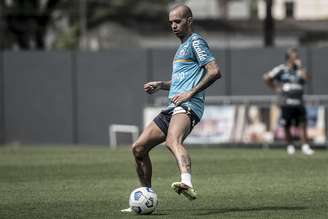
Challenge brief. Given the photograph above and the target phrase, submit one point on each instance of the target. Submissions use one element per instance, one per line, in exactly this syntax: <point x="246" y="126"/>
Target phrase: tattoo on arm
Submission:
<point x="206" y="81"/>
<point x="165" y="85"/>
<point x="211" y="75"/>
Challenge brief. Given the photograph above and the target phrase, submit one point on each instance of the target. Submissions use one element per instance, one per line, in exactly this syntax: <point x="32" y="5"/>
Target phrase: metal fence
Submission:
<point x="71" y="97"/>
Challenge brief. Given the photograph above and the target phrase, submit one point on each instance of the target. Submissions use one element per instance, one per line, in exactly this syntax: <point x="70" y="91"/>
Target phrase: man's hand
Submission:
<point x="270" y="82"/>
<point x="277" y="89"/>
<point x="152" y="87"/>
<point x="181" y="98"/>
<point x="303" y="74"/>
<point x="298" y="63"/>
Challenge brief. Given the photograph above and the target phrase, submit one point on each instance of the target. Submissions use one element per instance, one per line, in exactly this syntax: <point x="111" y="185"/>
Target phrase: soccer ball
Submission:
<point x="143" y="200"/>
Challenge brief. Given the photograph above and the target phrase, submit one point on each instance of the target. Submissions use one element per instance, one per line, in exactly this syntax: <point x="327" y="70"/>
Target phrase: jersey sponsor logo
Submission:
<point x="184" y="50"/>
<point x="199" y="51"/>
<point x="291" y="101"/>
<point x="178" y="76"/>
<point x="291" y="87"/>
<point x="287" y="76"/>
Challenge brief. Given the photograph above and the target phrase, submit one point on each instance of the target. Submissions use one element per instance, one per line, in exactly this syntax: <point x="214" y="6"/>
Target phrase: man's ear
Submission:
<point x="189" y="19"/>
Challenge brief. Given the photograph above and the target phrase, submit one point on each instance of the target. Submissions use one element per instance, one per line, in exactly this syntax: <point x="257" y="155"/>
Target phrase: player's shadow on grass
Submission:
<point x="231" y="210"/>
<point x="159" y="214"/>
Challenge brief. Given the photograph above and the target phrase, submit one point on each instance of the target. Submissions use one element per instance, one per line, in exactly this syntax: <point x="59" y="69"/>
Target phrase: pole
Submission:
<point x="269" y="25"/>
<point x="83" y="24"/>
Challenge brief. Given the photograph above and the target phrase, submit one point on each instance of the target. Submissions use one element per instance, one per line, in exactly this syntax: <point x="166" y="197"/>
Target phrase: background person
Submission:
<point x="288" y="81"/>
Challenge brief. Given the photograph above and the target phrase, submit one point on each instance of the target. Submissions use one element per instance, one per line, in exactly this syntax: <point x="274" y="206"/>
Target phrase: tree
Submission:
<point x="25" y="23"/>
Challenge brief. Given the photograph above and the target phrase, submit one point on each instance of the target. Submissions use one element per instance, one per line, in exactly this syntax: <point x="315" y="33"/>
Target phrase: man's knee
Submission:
<point x="138" y="151"/>
<point x="171" y="142"/>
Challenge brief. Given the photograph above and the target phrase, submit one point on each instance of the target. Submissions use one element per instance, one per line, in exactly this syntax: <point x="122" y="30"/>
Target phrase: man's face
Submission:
<point x="179" y="23"/>
<point x="294" y="57"/>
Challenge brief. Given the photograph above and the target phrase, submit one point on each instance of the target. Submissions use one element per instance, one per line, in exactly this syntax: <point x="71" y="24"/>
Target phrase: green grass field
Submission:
<point x="75" y="182"/>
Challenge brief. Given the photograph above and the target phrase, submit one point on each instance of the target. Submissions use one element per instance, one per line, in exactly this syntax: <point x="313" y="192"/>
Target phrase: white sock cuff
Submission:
<point x="186" y="179"/>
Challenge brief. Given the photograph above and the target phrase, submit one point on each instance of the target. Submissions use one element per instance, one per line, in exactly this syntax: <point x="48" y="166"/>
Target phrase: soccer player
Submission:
<point x="194" y="69"/>
<point x="288" y="81"/>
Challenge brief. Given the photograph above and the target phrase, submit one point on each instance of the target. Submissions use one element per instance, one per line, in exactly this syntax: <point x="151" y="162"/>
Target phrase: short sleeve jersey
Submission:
<point x="188" y="70"/>
<point x="292" y="84"/>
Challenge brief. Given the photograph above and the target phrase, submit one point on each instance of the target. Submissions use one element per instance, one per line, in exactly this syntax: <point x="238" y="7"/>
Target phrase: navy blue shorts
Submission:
<point x="292" y="115"/>
<point x="162" y="120"/>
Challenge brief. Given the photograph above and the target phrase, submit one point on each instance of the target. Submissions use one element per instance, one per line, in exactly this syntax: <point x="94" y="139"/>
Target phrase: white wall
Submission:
<point x="237" y="9"/>
<point x="304" y="9"/>
<point x="204" y="8"/>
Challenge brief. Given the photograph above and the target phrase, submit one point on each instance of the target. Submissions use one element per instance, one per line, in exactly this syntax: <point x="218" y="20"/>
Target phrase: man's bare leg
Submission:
<point x="178" y="130"/>
<point x="288" y="137"/>
<point x="304" y="136"/>
<point x="306" y="149"/>
<point x="149" y="138"/>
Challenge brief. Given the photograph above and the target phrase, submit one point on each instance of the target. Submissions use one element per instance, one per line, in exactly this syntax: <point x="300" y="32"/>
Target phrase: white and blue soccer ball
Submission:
<point x="143" y="200"/>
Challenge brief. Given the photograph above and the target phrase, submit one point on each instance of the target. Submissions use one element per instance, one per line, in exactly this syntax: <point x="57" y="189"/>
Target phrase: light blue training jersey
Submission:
<point x="188" y="70"/>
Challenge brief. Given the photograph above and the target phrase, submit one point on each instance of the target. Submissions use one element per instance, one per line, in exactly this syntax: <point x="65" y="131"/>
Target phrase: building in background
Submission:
<point x="221" y="9"/>
<point x="297" y="9"/>
<point x="98" y="25"/>
<point x="239" y="23"/>
<point x="246" y="9"/>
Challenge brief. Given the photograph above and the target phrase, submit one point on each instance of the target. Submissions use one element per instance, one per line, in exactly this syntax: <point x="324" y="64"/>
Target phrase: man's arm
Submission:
<point x="302" y="70"/>
<point x="165" y="85"/>
<point x="154" y="86"/>
<point x="304" y="74"/>
<point x="269" y="81"/>
<point x="212" y="74"/>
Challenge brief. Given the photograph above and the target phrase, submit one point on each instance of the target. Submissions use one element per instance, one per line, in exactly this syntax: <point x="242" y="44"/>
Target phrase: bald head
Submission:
<point x="183" y="9"/>
<point x="180" y="18"/>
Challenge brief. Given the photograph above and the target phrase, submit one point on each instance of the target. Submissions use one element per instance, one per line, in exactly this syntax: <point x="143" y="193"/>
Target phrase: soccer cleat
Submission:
<point x="307" y="150"/>
<point x="127" y="210"/>
<point x="185" y="190"/>
<point x="290" y="149"/>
